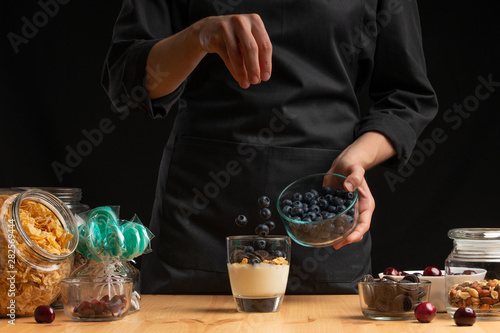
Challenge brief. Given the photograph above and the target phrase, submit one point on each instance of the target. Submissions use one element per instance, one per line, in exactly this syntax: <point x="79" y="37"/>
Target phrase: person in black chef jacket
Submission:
<point x="267" y="92"/>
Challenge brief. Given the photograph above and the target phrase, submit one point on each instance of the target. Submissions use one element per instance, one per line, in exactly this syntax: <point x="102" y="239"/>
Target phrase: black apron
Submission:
<point x="229" y="146"/>
<point x="209" y="183"/>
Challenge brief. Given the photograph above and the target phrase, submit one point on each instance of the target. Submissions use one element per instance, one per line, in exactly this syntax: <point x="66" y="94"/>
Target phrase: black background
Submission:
<point x="51" y="96"/>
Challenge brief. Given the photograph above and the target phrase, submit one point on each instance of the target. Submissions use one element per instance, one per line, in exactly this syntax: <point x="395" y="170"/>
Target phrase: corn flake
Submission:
<point x="36" y="283"/>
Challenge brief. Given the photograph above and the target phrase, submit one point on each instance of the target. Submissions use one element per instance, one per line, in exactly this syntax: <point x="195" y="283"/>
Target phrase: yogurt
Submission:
<point x="258" y="280"/>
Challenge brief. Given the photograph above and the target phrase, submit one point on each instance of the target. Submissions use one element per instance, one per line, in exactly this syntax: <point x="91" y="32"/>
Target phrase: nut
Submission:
<point x="494" y="294"/>
<point x="484" y="293"/>
<point x="473" y="292"/>
<point x="484" y="307"/>
<point x="464" y="295"/>
<point x="488" y="300"/>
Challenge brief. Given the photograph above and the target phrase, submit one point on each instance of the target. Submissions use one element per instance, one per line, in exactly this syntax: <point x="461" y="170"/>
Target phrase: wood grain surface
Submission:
<point x="195" y="313"/>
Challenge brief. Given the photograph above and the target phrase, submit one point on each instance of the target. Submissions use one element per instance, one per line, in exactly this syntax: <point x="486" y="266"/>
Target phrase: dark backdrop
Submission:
<point x="52" y="103"/>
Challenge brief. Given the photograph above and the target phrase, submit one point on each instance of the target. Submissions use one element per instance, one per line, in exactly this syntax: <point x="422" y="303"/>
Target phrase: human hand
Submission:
<point x="368" y="150"/>
<point x="243" y="44"/>
<point x="366" y="203"/>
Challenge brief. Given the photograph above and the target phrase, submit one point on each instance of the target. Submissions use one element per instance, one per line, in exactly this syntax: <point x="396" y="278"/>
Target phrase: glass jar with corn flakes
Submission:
<point x="472" y="272"/>
<point x="38" y="237"/>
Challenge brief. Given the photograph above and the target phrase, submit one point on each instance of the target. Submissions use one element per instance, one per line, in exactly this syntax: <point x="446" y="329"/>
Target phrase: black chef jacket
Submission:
<point x="230" y="145"/>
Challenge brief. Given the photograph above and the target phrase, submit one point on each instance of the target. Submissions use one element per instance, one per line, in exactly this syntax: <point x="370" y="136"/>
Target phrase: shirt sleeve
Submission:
<point x="404" y="101"/>
<point x="140" y="25"/>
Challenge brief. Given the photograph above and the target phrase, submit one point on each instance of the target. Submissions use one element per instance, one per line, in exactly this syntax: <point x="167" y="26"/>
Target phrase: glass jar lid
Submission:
<point x="475" y="233"/>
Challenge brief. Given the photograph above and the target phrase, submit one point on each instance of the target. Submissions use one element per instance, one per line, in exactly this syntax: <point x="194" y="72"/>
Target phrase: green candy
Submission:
<point x="93" y="238"/>
<point x="144" y="237"/>
<point x="102" y="216"/>
<point x="114" y="240"/>
<point x="132" y="241"/>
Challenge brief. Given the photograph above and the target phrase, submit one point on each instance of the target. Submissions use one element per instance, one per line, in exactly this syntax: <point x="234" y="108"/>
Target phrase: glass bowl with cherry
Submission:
<point x="438" y="293"/>
<point x="390" y="299"/>
<point x="96" y="299"/>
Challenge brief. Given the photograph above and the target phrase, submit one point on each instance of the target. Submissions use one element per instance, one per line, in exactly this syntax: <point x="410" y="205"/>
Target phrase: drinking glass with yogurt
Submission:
<point x="258" y="270"/>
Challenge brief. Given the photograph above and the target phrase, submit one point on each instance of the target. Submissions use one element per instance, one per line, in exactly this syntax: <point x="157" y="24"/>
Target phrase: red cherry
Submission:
<point x="432" y="271"/>
<point x="391" y="271"/>
<point x="44" y="314"/>
<point x="464" y="316"/>
<point x="425" y="312"/>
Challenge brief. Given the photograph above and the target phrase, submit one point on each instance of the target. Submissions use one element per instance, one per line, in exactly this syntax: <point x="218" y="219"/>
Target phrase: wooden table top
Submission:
<point x="194" y="313"/>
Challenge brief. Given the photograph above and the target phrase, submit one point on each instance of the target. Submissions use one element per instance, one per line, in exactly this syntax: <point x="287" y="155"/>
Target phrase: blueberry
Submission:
<point x="315" y="209"/>
<point x="297" y="196"/>
<point x="296" y="218"/>
<point x="350" y="212"/>
<point x="349" y="195"/>
<point x="262" y="229"/>
<point x="297" y="204"/>
<point x="253" y="259"/>
<point x="331" y="209"/>
<point x="287" y="202"/>
<point x="322" y="203"/>
<point x="318" y="218"/>
<point x="337" y="201"/>
<point x="265" y="213"/>
<point x="347" y="203"/>
<point x="297" y="211"/>
<point x="259" y="244"/>
<point x="278" y="253"/>
<point x="313" y="191"/>
<point x="327" y="190"/>
<point x="329" y="215"/>
<point x="307" y="219"/>
<point x="340" y="209"/>
<point x="328" y="197"/>
<point x="270" y="224"/>
<point x="286" y="210"/>
<point x="308" y="196"/>
<point x="339" y="230"/>
<point x="313" y="202"/>
<point x="311" y="215"/>
<point x="305" y="207"/>
<point x="248" y="249"/>
<point x="241" y="220"/>
<point x="336" y="192"/>
<point x="264" y="201"/>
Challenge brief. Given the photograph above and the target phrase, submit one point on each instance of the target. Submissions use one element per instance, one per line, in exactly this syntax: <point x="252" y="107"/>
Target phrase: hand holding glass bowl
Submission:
<point x="318" y="216"/>
<point x="258" y="270"/>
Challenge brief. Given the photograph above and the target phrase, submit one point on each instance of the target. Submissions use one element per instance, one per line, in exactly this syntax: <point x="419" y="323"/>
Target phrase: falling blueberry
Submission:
<point x="270" y="225"/>
<point x="262" y="230"/>
<point x="264" y="201"/>
<point x="241" y="220"/>
<point x="265" y="213"/>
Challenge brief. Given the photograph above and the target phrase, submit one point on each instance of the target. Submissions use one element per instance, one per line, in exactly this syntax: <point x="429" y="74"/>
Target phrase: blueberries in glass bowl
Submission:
<point x="317" y="211"/>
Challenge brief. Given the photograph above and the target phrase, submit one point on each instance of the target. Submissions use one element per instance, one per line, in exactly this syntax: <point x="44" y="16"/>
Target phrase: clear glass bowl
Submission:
<point x="330" y="229"/>
<point x="473" y="272"/>
<point x="392" y="300"/>
<point x="96" y="299"/>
